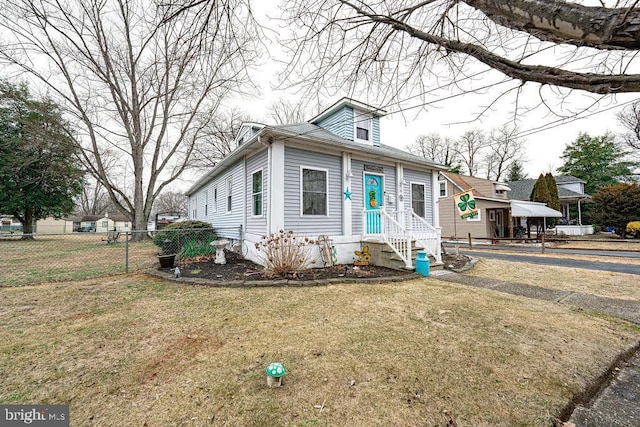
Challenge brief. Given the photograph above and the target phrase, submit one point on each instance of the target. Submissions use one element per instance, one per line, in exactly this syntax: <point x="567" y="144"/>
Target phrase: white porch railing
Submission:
<point x="398" y="229"/>
<point x="427" y="235"/>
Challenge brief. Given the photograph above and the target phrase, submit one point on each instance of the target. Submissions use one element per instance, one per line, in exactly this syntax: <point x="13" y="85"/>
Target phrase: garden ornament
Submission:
<point x="275" y="371"/>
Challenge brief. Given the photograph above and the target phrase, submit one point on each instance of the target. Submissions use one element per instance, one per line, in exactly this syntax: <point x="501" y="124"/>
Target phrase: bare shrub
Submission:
<point x="285" y="254"/>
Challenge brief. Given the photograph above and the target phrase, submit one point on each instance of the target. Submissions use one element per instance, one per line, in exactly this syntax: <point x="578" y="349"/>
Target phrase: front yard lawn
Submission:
<point x="131" y="350"/>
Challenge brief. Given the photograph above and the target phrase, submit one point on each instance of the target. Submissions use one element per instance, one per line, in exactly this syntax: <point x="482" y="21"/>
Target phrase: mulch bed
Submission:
<point x="239" y="269"/>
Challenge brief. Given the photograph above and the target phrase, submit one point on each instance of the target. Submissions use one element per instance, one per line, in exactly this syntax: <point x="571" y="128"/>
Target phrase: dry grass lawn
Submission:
<point x="131" y="350"/>
<point x="606" y="245"/>
<point x="599" y="283"/>
<point x="69" y="257"/>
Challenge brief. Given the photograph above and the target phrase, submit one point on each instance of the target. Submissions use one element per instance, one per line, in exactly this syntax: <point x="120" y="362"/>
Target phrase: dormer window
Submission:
<point x="362" y="123"/>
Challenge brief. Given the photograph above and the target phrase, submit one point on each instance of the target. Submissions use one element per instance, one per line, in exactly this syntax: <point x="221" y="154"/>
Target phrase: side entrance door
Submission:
<point x="372" y="202"/>
<point x="500" y="223"/>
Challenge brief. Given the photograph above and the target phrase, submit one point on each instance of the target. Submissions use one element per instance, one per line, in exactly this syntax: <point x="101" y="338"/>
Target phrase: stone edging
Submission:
<point x="279" y="282"/>
<point x="467" y="266"/>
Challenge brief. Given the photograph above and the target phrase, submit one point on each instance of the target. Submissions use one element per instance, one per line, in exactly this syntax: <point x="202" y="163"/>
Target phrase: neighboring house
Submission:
<point x="166" y="218"/>
<point x="9" y="224"/>
<point x="570" y="191"/>
<point x="104" y="223"/>
<point x="498" y="214"/>
<point x="329" y="176"/>
<point x="51" y="225"/>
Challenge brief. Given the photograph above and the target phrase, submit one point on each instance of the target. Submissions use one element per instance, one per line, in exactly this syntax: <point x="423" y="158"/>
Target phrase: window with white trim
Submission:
<point x="442" y="185"/>
<point x="256" y="192"/>
<point x="362" y="126"/>
<point x="229" y="199"/>
<point x="314" y="191"/>
<point x="215" y="200"/>
<point x="418" y="199"/>
<point x="206" y="202"/>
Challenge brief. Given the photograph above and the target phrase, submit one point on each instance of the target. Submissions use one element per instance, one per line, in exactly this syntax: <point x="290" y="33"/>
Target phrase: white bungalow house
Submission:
<point x="330" y="176"/>
<point x="103" y="223"/>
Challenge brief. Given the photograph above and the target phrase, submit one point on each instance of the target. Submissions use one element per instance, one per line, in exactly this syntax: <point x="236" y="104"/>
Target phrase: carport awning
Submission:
<point x="532" y="209"/>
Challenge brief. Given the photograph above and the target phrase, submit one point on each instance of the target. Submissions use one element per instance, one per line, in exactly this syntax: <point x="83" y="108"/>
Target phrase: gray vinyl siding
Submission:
<point x="294" y="158"/>
<point x="340" y="123"/>
<point x="357" y="196"/>
<point x="257" y="225"/>
<point x="376" y="131"/>
<point x="226" y="224"/>
<point x="417" y="177"/>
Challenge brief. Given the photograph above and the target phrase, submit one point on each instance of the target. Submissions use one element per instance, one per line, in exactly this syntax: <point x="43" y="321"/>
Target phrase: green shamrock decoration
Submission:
<point x="466" y="203"/>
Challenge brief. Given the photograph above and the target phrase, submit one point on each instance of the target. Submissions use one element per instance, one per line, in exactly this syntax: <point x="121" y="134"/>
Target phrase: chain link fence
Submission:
<point x="38" y="258"/>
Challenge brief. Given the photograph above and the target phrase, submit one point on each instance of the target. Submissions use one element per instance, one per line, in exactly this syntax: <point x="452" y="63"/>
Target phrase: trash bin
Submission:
<point x="422" y="264"/>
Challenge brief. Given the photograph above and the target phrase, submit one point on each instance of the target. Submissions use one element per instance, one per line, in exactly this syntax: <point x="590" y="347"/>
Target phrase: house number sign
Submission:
<point x="373" y="168"/>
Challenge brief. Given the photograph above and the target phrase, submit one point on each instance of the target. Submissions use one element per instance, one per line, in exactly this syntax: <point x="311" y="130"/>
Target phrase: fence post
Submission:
<point x="126" y="252"/>
<point x="470" y="247"/>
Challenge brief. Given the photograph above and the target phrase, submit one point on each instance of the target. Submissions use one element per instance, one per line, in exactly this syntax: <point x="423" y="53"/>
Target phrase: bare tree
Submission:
<point x="629" y="118"/>
<point x="436" y="148"/>
<point x="397" y="48"/>
<point x="94" y="199"/>
<point x="218" y="137"/>
<point x="137" y="77"/>
<point x="503" y="149"/>
<point x="283" y="112"/>
<point x="171" y="202"/>
<point x="471" y="145"/>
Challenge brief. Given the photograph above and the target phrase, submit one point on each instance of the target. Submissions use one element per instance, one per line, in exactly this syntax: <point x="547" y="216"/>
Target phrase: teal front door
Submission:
<point x="372" y="202"/>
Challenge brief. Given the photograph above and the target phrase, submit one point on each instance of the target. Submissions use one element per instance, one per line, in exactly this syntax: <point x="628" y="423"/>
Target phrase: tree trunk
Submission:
<point x="27" y="224"/>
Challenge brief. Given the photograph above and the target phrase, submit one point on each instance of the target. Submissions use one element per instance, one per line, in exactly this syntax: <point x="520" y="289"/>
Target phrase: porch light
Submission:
<point x="275" y="372"/>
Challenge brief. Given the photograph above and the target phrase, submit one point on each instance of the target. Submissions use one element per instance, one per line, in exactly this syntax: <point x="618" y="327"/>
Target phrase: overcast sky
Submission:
<point x="454" y="116"/>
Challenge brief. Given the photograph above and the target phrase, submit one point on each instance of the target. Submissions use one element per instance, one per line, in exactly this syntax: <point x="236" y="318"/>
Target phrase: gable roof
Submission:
<point x="348" y="102"/>
<point x="521" y="190"/>
<point x="311" y="134"/>
<point x="477" y="185"/>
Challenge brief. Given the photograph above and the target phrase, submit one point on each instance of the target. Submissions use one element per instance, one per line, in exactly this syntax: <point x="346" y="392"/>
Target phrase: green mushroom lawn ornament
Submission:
<point x="275" y="371"/>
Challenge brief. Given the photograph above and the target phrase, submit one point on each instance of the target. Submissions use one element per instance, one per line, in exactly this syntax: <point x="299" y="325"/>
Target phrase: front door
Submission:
<point x="500" y="223"/>
<point x="372" y="202"/>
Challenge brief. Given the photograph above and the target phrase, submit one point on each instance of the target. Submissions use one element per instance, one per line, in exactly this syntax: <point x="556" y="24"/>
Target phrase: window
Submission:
<point x="417" y="199"/>
<point x="206" y="203"/>
<point x="229" y="204"/>
<point x="314" y="192"/>
<point x="215" y="199"/>
<point x="443" y="188"/>
<point x="362" y="122"/>
<point x="194" y="208"/>
<point x="105" y="224"/>
<point x="256" y="191"/>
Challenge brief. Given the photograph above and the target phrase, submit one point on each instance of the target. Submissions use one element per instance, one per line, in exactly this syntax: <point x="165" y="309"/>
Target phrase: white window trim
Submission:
<point x="214" y="208"/>
<point x="253" y="215"/>
<point x="206" y="203"/>
<point x="359" y="115"/>
<point x="477" y="218"/>
<point x="228" y="183"/>
<point x="446" y="192"/>
<point x="424" y="194"/>
<point x="326" y="171"/>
